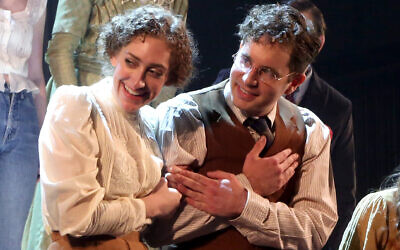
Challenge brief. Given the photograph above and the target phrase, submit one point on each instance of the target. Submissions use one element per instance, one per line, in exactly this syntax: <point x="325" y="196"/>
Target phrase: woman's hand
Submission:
<point x="162" y="201"/>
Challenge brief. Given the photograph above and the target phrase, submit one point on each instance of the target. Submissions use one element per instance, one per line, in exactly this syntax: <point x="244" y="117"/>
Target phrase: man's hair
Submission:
<point x="283" y="25"/>
<point x="157" y="22"/>
<point x="317" y="18"/>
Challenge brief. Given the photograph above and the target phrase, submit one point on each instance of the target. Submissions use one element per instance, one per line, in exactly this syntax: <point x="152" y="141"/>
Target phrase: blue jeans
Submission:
<point x="19" y="164"/>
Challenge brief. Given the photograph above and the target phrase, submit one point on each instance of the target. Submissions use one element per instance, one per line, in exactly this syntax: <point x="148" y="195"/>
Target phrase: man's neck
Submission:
<point x="240" y="114"/>
<point x="301" y="90"/>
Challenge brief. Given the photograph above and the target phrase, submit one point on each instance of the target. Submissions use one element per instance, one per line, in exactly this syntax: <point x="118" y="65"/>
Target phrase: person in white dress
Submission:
<point x="100" y="164"/>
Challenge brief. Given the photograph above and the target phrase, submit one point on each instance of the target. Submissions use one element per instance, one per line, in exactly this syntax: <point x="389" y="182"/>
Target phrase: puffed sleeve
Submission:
<point x="373" y="224"/>
<point x="69" y="28"/>
<point x="69" y="154"/>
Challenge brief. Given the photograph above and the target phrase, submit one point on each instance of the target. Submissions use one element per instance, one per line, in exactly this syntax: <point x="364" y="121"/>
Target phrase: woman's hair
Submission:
<point x="157" y="22"/>
<point x="393" y="181"/>
<point x="284" y="25"/>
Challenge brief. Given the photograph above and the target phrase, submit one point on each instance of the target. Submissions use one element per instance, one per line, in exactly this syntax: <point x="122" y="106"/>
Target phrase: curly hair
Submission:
<point x="285" y="25"/>
<point x="156" y="22"/>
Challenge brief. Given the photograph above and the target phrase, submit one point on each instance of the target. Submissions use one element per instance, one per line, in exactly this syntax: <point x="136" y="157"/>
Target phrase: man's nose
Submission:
<point x="250" y="77"/>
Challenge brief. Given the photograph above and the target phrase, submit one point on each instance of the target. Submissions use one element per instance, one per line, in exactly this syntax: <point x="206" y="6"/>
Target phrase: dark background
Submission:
<point x="360" y="59"/>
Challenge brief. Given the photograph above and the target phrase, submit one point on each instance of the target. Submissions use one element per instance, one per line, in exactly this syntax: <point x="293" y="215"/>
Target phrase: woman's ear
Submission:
<point x="113" y="61"/>
<point x="297" y="80"/>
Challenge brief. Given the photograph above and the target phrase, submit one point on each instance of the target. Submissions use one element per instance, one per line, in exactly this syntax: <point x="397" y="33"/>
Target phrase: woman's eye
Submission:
<point x="155" y="73"/>
<point x="131" y="63"/>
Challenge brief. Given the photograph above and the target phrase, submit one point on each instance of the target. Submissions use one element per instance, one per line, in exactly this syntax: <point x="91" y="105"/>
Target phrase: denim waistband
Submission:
<point x="20" y="94"/>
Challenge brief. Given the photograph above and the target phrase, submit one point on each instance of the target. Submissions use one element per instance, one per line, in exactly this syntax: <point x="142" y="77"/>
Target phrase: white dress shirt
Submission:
<point x="16" y="33"/>
<point x="305" y="223"/>
<point x="97" y="161"/>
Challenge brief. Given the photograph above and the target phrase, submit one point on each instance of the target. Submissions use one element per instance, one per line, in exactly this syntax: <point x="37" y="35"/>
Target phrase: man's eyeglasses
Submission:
<point x="264" y="74"/>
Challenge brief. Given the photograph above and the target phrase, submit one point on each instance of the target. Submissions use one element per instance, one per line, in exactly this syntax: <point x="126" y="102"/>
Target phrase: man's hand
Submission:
<point x="269" y="174"/>
<point x="171" y="183"/>
<point x="219" y="194"/>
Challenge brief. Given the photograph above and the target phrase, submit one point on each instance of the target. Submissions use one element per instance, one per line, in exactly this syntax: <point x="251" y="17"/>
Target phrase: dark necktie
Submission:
<point x="263" y="127"/>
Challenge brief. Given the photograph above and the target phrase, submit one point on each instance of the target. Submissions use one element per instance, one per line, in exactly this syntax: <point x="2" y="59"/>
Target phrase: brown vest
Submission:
<point x="228" y="143"/>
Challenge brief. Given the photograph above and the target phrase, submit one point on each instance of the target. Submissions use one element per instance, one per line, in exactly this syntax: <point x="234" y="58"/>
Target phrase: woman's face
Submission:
<point x="141" y="70"/>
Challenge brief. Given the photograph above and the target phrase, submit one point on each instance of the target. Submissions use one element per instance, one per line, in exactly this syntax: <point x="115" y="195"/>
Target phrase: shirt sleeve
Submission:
<point x="181" y="136"/>
<point x="180" y="132"/>
<point x="73" y="199"/>
<point x="307" y="221"/>
<point x="70" y="26"/>
<point x="372" y="225"/>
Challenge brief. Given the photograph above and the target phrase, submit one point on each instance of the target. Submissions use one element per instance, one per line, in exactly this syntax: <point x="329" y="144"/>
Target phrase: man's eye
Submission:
<point x="267" y="72"/>
<point x="245" y="61"/>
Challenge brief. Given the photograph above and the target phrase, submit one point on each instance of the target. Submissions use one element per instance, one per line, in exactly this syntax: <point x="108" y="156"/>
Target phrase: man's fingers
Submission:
<point x="187" y="192"/>
<point x="289" y="161"/>
<point x="171" y="182"/>
<point x="188" y="182"/>
<point x="283" y="155"/>
<point x="258" y="147"/>
<point x="289" y="172"/>
<point x="176" y="169"/>
<point x="219" y="174"/>
<point x="201" y="179"/>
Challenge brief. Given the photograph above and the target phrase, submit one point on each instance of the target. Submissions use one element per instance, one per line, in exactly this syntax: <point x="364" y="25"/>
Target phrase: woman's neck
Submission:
<point x="13" y="5"/>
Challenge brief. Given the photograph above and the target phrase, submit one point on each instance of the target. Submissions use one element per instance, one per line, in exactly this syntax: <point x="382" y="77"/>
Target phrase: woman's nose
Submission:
<point x="137" y="78"/>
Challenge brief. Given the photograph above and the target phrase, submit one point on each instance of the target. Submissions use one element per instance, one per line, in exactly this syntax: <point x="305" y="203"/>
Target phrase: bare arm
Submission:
<point x="35" y="68"/>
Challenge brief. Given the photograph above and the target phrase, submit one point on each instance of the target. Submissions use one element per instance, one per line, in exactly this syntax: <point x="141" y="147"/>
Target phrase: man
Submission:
<point x="325" y="101"/>
<point x="239" y="201"/>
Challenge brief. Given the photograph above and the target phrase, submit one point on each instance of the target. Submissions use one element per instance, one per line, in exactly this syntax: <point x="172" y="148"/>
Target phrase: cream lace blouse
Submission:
<point x="96" y="162"/>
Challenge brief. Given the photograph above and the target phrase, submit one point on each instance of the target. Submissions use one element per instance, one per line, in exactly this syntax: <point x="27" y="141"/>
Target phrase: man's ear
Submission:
<point x="298" y="79"/>
<point x="322" y="40"/>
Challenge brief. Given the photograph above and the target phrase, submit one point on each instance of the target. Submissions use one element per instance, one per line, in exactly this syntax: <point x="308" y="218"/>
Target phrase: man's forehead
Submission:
<point x="265" y="41"/>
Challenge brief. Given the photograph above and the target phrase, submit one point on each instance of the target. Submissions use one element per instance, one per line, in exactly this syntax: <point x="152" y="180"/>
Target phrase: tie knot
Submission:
<point x="259" y="125"/>
<point x="263" y="127"/>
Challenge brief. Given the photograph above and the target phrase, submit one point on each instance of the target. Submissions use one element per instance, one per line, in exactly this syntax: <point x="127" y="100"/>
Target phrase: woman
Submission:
<point x="72" y="53"/>
<point x="375" y="221"/>
<point x="100" y="165"/>
<point x="22" y="108"/>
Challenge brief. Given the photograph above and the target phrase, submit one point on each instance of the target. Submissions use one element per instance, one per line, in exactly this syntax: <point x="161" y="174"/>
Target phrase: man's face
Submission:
<point x="249" y="94"/>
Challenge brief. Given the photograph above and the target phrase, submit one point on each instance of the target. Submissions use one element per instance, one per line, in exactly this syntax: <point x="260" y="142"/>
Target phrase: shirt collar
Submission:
<point x="238" y="113"/>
